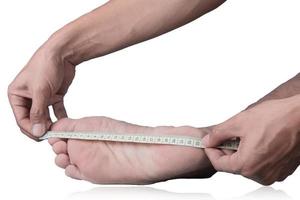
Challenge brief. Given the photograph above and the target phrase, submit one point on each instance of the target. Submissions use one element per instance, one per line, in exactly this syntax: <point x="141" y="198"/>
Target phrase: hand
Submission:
<point x="269" y="149"/>
<point x="43" y="81"/>
<point x="111" y="27"/>
<point x="116" y="162"/>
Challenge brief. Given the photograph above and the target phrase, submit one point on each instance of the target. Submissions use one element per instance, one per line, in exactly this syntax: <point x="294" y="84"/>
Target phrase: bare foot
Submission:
<point x="115" y="162"/>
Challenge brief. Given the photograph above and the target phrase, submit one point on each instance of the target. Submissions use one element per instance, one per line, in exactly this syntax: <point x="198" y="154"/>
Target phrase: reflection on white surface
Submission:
<point x="139" y="192"/>
<point x="144" y="193"/>
<point x="265" y="193"/>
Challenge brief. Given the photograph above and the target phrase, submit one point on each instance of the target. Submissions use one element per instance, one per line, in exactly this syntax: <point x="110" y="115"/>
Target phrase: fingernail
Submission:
<point x="205" y="141"/>
<point x="38" y="130"/>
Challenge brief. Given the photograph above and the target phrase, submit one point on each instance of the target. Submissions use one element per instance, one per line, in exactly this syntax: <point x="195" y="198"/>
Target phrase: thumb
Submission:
<point x="218" y="136"/>
<point x="39" y="115"/>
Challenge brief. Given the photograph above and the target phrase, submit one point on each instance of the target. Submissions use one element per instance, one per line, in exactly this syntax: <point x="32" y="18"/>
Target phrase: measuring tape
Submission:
<point x="138" y="138"/>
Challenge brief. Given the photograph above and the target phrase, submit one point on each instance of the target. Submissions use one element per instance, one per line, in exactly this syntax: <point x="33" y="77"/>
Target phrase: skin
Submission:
<point x="35" y="88"/>
<point x="270" y="136"/>
<point x="45" y="79"/>
<point x="288" y="89"/>
<point x="270" y="123"/>
<point x="72" y="155"/>
<point x="127" y="163"/>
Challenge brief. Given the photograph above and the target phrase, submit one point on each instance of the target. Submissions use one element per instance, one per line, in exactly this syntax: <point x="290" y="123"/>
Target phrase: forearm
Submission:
<point x="285" y="90"/>
<point x="119" y="24"/>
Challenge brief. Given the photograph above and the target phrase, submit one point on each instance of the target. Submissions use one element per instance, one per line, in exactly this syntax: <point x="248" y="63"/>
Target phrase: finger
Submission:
<point x="60" y="147"/>
<point x="73" y="172"/>
<point x="38" y="113"/>
<point x="48" y="122"/>
<point x="29" y="135"/>
<point x="62" y="160"/>
<point x="221" y="161"/>
<point x="218" y="136"/>
<point x="59" y="110"/>
<point x="21" y="108"/>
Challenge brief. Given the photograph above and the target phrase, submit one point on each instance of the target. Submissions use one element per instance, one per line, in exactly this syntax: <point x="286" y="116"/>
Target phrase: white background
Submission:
<point x="200" y="74"/>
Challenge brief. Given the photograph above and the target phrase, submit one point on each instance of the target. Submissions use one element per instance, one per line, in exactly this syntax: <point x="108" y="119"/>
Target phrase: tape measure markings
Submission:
<point x="178" y="140"/>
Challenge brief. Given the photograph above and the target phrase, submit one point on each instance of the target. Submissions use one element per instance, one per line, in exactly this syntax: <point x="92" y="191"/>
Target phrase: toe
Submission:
<point x="73" y="172"/>
<point x="60" y="147"/>
<point x="62" y="160"/>
<point x="52" y="141"/>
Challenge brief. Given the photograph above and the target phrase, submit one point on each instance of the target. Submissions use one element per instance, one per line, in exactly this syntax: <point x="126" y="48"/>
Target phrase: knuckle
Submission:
<point x="10" y="88"/>
<point x="39" y="89"/>
<point x="35" y="114"/>
<point x="215" y="131"/>
<point x="42" y="89"/>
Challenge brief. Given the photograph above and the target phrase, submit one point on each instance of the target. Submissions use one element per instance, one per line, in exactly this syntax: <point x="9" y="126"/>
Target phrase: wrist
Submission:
<point x="59" y="45"/>
<point x="291" y="108"/>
